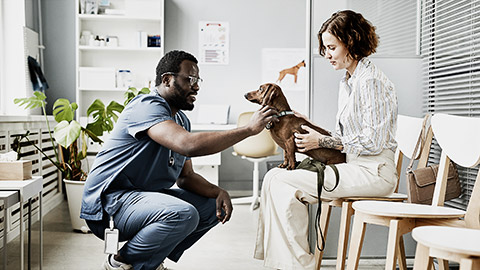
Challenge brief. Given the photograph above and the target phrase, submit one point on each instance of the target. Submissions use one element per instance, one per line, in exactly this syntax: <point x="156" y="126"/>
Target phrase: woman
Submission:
<point x="365" y="128"/>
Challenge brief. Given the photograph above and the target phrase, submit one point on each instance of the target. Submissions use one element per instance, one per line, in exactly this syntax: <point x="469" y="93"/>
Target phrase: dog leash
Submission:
<point x="280" y="114"/>
<point x="319" y="167"/>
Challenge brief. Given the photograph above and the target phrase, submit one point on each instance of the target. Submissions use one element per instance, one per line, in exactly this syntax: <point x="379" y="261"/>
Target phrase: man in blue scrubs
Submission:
<point x="148" y="152"/>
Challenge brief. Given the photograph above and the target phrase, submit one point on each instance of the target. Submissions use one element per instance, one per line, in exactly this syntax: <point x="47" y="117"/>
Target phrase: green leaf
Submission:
<point x="92" y="135"/>
<point x="63" y="110"/>
<point x="103" y="117"/>
<point x="133" y="92"/>
<point x="66" y="133"/>
<point x="144" y="90"/>
<point x="38" y="100"/>
<point x="112" y="108"/>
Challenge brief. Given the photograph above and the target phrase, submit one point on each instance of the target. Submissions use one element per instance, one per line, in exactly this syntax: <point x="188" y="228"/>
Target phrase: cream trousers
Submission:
<point x="282" y="234"/>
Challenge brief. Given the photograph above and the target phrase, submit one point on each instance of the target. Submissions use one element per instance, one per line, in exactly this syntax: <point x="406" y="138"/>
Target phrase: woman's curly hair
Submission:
<point x="353" y="30"/>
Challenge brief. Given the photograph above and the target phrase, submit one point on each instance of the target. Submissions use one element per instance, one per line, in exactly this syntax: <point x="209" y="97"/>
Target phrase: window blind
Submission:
<point x="396" y="23"/>
<point x="450" y="51"/>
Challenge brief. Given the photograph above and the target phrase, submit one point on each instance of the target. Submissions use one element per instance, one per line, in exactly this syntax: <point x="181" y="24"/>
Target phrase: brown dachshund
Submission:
<point x="293" y="70"/>
<point x="283" y="131"/>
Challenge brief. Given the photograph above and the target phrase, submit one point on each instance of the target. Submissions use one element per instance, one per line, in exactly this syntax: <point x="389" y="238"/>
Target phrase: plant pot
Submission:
<point x="74" y="196"/>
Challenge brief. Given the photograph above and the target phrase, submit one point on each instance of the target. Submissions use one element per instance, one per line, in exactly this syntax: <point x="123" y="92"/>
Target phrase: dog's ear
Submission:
<point x="269" y="96"/>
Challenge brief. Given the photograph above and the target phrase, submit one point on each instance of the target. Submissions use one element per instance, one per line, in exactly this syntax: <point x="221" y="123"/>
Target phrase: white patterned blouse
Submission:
<point x="366" y="120"/>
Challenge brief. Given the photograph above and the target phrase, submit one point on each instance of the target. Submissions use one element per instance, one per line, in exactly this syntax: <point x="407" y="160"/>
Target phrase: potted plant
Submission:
<point x="67" y="133"/>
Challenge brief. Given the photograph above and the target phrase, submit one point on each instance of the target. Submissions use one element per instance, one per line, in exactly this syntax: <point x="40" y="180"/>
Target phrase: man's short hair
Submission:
<point x="170" y="62"/>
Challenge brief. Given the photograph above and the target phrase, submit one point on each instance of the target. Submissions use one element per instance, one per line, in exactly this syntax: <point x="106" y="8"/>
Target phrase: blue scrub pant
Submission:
<point x="159" y="225"/>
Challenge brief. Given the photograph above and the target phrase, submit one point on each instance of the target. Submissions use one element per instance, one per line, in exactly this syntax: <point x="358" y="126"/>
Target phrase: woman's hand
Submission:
<point x="314" y="139"/>
<point x="309" y="140"/>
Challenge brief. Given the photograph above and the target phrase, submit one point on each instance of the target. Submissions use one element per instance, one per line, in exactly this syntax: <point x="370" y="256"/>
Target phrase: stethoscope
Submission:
<point x="171" y="159"/>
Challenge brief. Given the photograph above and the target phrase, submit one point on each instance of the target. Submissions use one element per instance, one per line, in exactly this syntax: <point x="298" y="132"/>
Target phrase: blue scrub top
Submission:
<point x="130" y="159"/>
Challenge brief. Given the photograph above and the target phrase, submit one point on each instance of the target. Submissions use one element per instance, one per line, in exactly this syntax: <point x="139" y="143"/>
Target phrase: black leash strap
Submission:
<point x="319" y="167"/>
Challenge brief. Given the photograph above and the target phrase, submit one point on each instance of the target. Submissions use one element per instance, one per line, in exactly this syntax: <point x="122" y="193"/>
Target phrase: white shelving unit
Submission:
<point x="136" y="16"/>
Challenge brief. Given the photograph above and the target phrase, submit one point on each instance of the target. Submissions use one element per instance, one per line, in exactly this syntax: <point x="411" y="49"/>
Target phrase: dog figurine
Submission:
<point x="283" y="131"/>
<point x="293" y="71"/>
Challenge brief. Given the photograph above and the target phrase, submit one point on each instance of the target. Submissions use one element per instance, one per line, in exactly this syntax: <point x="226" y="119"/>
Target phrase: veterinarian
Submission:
<point x="365" y="128"/>
<point x="148" y="152"/>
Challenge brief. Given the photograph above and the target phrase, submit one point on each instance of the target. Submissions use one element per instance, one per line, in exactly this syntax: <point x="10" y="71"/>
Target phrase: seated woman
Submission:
<point x="365" y="128"/>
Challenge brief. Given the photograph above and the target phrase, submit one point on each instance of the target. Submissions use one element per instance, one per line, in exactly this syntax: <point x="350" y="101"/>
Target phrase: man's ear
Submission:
<point x="166" y="79"/>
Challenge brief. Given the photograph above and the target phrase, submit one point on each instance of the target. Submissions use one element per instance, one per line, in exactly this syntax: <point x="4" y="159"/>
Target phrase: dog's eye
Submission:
<point x="260" y="89"/>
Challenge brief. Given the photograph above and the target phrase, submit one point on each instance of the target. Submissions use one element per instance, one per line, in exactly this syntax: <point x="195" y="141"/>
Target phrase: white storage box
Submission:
<point x="96" y="78"/>
<point x="143" y="8"/>
<point x="213" y="114"/>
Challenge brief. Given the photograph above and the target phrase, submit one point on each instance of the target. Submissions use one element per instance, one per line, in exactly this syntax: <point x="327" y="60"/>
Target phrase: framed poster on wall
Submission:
<point x="214" y="42"/>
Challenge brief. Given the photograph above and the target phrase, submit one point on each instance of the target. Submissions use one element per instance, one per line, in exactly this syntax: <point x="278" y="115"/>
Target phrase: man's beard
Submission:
<point x="178" y="101"/>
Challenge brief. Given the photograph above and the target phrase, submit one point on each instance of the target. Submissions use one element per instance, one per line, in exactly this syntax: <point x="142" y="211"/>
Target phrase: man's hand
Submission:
<point x="224" y="202"/>
<point x="261" y="118"/>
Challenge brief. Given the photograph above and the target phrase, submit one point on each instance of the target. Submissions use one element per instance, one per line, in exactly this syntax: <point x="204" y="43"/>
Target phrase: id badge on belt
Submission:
<point x="111" y="239"/>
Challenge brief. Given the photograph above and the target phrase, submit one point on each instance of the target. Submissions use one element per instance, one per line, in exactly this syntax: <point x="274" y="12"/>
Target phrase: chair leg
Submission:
<point x="402" y="261"/>
<point x="346" y="216"/>
<point x="256" y="181"/>
<point x="469" y="263"/>
<point x="393" y="242"/>
<point x="356" y="242"/>
<point x="324" y="221"/>
<point x="442" y="264"/>
<point x="423" y="261"/>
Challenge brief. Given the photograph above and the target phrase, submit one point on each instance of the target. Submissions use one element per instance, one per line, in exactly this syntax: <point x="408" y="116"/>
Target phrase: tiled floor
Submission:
<point x="228" y="246"/>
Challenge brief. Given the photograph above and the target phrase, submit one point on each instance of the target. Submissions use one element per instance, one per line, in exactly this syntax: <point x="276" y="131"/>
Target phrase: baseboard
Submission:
<point x="366" y="262"/>
<point x="239" y="193"/>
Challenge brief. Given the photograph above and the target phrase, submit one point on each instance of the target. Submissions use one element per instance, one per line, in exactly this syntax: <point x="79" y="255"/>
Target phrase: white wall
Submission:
<point x="254" y="25"/>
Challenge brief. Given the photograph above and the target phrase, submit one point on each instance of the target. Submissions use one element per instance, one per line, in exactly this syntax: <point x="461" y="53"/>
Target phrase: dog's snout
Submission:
<point x="246" y="95"/>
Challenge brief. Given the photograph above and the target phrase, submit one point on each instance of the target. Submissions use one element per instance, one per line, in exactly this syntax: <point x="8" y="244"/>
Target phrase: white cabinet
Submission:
<point x="207" y="166"/>
<point x="122" y="45"/>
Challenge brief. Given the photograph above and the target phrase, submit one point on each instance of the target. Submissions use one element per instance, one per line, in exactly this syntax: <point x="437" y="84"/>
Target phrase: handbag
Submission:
<point x="421" y="182"/>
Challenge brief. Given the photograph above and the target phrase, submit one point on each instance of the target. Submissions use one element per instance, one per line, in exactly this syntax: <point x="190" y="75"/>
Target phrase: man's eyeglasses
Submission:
<point x="193" y="80"/>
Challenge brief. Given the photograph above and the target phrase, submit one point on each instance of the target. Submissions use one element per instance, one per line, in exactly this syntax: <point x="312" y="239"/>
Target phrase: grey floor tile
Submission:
<point x="228" y="246"/>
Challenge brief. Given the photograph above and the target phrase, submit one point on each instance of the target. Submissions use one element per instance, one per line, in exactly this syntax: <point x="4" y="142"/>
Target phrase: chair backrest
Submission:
<point x="409" y="130"/>
<point x="260" y="145"/>
<point x="459" y="139"/>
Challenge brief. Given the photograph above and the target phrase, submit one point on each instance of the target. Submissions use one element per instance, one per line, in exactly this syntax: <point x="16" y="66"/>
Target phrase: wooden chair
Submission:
<point x="408" y="131"/>
<point x="458" y="137"/>
<point x="447" y="243"/>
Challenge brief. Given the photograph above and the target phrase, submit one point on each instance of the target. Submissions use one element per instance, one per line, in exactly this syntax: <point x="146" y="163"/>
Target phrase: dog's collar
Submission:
<point x="280" y="114"/>
<point x="283" y="113"/>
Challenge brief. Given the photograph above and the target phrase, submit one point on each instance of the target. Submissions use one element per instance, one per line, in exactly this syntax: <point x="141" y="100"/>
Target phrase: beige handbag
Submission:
<point x="421" y="182"/>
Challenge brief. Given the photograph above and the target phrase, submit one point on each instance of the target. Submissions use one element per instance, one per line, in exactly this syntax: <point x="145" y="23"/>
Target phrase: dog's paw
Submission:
<point x="291" y="167"/>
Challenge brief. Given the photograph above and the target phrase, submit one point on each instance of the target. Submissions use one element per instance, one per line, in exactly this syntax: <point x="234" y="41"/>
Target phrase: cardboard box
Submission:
<point x="16" y="170"/>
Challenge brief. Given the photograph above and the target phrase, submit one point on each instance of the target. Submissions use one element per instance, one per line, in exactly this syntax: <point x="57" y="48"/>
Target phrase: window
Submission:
<point x="396" y="23"/>
<point x="450" y="51"/>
